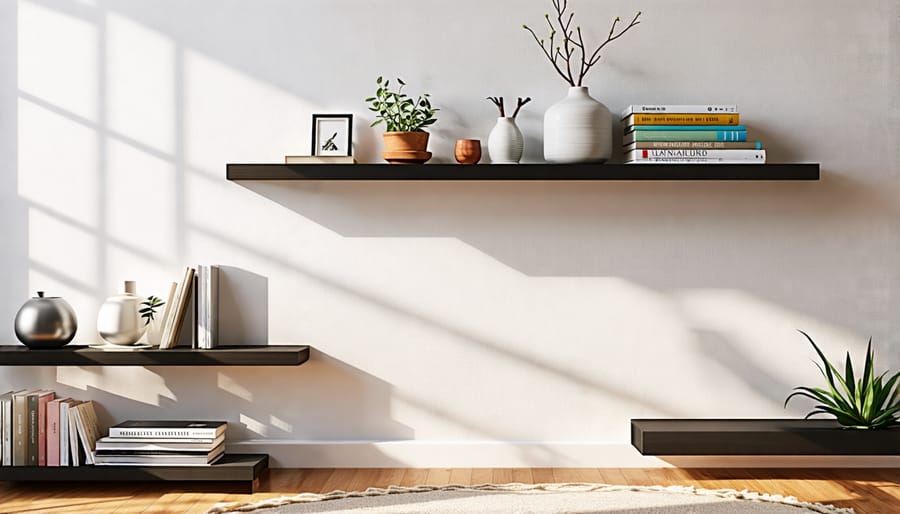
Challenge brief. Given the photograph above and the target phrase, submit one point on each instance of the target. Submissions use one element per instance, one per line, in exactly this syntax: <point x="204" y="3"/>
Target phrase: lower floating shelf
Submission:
<point x="543" y="172"/>
<point x="274" y="355"/>
<point x="237" y="468"/>
<point x="759" y="437"/>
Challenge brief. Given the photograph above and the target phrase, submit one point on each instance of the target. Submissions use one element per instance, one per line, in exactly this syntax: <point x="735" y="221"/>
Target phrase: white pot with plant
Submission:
<point x="578" y="128"/>
<point x="405" y="120"/>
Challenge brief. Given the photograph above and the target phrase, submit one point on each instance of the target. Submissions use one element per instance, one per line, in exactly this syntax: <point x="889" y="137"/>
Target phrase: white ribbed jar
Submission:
<point x="505" y="143"/>
<point x="577" y="129"/>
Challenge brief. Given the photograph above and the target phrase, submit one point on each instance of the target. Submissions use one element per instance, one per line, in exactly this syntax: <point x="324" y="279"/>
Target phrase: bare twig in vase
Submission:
<point x="498" y="101"/>
<point x="519" y="104"/>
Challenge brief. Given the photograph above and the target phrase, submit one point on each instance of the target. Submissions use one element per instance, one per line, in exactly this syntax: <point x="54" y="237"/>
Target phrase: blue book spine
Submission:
<point x="692" y="127"/>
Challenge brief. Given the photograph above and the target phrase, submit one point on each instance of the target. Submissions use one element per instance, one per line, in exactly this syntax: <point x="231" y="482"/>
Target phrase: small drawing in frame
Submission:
<point x="332" y="134"/>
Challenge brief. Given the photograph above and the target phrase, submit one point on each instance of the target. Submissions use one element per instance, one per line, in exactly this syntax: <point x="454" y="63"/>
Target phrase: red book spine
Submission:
<point x="43" y="400"/>
<point x="53" y="433"/>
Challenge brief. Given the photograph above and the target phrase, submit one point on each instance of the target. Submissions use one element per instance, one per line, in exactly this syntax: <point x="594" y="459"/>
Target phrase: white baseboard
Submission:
<point x="499" y="454"/>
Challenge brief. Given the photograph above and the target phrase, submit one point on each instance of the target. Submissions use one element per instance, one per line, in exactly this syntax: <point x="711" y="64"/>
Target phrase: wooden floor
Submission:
<point x="868" y="491"/>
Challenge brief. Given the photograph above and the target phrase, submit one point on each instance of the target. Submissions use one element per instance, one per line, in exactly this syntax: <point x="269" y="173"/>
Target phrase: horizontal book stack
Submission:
<point x="162" y="443"/>
<point x="39" y="429"/>
<point x="696" y="134"/>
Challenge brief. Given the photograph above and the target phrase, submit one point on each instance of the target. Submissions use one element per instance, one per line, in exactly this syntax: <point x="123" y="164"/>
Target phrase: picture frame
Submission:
<point x="332" y="135"/>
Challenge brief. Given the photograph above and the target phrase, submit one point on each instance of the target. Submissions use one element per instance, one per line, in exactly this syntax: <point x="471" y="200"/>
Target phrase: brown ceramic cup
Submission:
<point x="468" y="151"/>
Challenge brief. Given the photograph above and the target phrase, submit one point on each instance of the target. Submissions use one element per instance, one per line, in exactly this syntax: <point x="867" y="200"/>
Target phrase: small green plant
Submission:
<point x="149" y="311"/>
<point x="398" y="111"/>
<point x="868" y="402"/>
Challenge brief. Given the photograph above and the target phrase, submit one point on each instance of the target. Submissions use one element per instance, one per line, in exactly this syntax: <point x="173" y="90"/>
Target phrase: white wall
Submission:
<point x="453" y="323"/>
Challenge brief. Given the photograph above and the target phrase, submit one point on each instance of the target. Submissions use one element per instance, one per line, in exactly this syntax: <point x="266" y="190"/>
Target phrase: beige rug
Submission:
<point x="538" y="498"/>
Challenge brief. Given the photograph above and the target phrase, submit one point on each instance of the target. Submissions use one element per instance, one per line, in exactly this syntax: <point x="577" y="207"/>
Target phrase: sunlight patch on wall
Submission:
<point x="58" y="163"/>
<point x="140" y="191"/>
<point x="230" y="385"/>
<point x="133" y="383"/>
<point x="63" y="250"/>
<point x="253" y="425"/>
<point x="230" y="116"/>
<point x="140" y="83"/>
<point x="58" y="59"/>
<point x="281" y="424"/>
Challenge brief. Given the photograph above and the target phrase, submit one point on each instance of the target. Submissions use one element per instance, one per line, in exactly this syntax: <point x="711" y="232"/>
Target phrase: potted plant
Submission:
<point x="864" y="402"/>
<point x="579" y="128"/>
<point x="405" y="120"/>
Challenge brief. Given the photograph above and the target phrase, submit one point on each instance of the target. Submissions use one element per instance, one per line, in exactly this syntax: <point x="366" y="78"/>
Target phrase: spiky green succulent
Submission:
<point x="866" y="402"/>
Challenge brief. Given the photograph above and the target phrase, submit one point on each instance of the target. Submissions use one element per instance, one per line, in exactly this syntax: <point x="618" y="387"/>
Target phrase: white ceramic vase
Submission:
<point x="119" y="321"/>
<point x="577" y="129"/>
<point x="505" y="143"/>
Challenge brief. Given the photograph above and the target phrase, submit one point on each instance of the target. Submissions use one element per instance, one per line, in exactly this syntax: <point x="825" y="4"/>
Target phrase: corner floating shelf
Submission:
<point x="19" y="355"/>
<point x="543" y="172"/>
<point x="759" y="437"/>
<point x="238" y="469"/>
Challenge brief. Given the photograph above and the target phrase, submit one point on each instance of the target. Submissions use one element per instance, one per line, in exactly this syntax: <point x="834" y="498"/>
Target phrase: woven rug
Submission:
<point x="538" y="498"/>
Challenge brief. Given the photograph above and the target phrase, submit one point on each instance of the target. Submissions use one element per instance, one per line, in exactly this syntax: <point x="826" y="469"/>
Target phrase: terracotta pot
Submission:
<point x="405" y="141"/>
<point x="468" y="151"/>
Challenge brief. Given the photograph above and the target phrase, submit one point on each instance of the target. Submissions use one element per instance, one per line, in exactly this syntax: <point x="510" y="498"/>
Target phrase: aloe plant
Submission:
<point x="866" y="402"/>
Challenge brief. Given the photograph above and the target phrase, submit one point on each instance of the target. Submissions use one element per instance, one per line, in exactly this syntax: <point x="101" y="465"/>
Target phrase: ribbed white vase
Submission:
<point x="505" y="143"/>
<point x="577" y="129"/>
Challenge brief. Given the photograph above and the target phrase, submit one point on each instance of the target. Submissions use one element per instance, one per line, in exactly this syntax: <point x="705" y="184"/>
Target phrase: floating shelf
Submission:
<point x="543" y="172"/>
<point x="243" y="469"/>
<point x="759" y="437"/>
<point x="19" y="355"/>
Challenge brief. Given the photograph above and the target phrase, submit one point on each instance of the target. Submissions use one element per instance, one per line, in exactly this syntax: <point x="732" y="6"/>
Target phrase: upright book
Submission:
<point x="207" y="306"/>
<point x="169" y="429"/>
<point x="53" y="432"/>
<point x="43" y="400"/>
<point x="181" y="303"/>
<point x="6" y="424"/>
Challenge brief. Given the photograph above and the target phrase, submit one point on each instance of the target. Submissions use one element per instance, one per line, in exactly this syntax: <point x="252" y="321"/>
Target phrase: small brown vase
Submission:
<point x="468" y="151"/>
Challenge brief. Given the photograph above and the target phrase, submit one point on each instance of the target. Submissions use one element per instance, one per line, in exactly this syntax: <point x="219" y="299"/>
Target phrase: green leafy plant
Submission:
<point x="566" y="49"/>
<point x="867" y="402"/>
<point x="149" y="311"/>
<point x="398" y="111"/>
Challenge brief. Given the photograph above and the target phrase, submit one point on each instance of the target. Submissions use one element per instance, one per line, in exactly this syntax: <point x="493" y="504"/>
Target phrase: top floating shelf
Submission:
<point x="549" y="172"/>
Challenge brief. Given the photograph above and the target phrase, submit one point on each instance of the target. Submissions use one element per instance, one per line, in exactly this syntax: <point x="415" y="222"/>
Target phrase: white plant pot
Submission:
<point x="119" y="321"/>
<point x="505" y="143"/>
<point x="577" y="129"/>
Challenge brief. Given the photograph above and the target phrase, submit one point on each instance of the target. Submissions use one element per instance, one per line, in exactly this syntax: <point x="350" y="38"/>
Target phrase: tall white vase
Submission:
<point x="505" y="143"/>
<point x="577" y="129"/>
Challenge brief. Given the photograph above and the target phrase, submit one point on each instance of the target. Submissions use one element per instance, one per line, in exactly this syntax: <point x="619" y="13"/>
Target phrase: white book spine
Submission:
<point x="212" y="304"/>
<point x="202" y="301"/>
<point x="679" y="109"/>
<point x="758" y="156"/>
<point x="64" y="434"/>
<point x="6" y="427"/>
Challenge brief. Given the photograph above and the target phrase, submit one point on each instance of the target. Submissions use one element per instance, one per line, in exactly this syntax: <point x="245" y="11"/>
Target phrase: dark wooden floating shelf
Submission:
<point x="19" y="355"/>
<point x="759" y="437"/>
<point x="235" y="468"/>
<point x="542" y="172"/>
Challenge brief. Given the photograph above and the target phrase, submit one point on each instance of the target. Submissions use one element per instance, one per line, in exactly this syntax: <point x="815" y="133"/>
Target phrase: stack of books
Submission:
<point x="162" y="443"/>
<point x="698" y="134"/>
<point x="38" y="429"/>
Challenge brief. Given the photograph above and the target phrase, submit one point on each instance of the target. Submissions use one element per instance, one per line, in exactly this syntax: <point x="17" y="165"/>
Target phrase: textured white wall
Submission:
<point x="443" y="314"/>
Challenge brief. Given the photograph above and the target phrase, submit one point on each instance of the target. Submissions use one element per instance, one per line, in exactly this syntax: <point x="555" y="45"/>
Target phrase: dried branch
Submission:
<point x="519" y="104"/>
<point x="498" y="101"/>
<point x="561" y="55"/>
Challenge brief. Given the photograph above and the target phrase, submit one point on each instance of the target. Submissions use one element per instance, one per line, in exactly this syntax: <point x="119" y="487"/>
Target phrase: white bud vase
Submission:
<point x="119" y="321"/>
<point x="505" y="144"/>
<point x="577" y="129"/>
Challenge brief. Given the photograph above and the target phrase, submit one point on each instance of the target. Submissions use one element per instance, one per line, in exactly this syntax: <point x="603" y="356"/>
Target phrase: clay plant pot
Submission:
<point x="468" y="151"/>
<point x="406" y="147"/>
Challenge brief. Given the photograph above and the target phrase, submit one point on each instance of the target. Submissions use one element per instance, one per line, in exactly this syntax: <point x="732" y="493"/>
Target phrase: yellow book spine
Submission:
<point x="684" y="119"/>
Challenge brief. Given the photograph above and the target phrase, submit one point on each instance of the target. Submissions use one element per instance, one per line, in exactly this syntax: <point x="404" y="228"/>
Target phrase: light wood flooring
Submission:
<point x="868" y="491"/>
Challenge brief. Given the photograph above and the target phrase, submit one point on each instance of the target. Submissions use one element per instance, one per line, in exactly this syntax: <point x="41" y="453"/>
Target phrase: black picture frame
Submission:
<point x="344" y="145"/>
